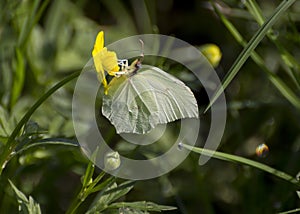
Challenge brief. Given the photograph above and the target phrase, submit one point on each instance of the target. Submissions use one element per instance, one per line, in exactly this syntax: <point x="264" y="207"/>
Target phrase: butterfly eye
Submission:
<point x="262" y="150"/>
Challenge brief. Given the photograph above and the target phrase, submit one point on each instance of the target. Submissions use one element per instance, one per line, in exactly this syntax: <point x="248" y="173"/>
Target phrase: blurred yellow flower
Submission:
<point x="212" y="52"/>
<point x="104" y="60"/>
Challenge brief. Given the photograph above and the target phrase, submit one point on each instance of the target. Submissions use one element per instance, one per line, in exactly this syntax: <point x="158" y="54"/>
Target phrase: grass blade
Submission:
<point x="141" y="206"/>
<point x="244" y="161"/>
<point x="252" y="44"/>
<point x="11" y="142"/>
<point x="275" y="80"/>
<point x="291" y="211"/>
<point x="49" y="141"/>
<point x="31" y="21"/>
<point x="19" y="77"/>
<point x="290" y="62"/>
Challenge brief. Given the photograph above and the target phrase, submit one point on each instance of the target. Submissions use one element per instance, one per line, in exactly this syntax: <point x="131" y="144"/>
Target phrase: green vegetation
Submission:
<point x="45" y="44"/>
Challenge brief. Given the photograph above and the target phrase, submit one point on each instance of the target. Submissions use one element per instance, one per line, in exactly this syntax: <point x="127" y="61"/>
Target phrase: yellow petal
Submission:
<point x="100" y="71"/>
<point x="99" y="43"/>
<point x="104" y="60"/>
<point x="110" y="62"/>
<point x="98" y="63"/>
<point x="99" y="68"/>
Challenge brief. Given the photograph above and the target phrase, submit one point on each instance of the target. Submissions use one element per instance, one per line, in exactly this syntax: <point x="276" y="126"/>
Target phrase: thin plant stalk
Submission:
<point x="244" y="161"/>
<point x="9" y="147"/>
<point x="290" y="62"/>
<point x="275" y="80"/>
<point x="252" y="44"/>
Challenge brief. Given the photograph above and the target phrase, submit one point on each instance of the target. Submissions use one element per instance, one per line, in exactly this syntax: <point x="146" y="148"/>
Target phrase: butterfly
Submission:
<point x="145" y="96"/>
<point x="140" y="97"/>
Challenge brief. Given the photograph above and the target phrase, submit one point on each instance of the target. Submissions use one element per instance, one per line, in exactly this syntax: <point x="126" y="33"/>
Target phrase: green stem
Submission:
<point x="45" y="142"/>
<point x="252" y="44"/>
<point x="276" y="81"/>
<point x="8" y="149"/>
<point x="244" y="161"/>
<point x="83" y="194"/>
<point x="291" y="211"/>
<point x="75" y="204"/>
<point x="289" y="60"/>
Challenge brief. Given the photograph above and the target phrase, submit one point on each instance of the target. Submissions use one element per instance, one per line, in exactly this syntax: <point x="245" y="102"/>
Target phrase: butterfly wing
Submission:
<point x="138" y="103"/>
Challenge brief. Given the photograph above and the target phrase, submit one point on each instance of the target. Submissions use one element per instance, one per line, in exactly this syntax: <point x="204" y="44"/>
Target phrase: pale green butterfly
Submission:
<point x="141" y="97"/>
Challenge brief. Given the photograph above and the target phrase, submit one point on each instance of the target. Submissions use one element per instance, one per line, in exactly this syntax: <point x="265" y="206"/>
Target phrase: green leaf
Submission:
<point x="137" y="103"/>
<point x="19" y="76"/>
<point x="29" y="23"/>
<point x="5" y="126"/>
<point x="101" y="186"/>
<point x="87" y="179"/>
<point x="112" y="193"/>
<point x="26" y="205"/>
<point x="120" y="190"/>
<point x="125" y="210"/>
<point x="88" y="176"/>
<point x="140" y="206"/>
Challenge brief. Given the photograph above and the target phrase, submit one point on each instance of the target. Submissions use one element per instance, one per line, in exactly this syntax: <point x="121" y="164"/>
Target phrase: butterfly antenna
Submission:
<point x="142" y="51"/>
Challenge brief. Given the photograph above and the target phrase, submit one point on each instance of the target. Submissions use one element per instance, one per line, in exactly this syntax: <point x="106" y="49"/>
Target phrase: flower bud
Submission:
<point x="112" y="161"/>
<point x="212" y="52"/>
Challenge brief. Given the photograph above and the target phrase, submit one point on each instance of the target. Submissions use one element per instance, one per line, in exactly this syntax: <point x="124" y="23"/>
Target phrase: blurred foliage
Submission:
<point x="42" y="42"/>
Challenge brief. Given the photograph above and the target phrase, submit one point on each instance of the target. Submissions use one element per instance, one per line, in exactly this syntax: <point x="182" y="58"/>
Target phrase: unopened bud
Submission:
<point x="212" y="52"/>
<point x="112" y="161"/>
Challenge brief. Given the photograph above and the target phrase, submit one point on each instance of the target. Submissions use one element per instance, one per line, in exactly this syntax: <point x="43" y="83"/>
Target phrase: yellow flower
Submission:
<point x="212" y="52"/>
<point x="104" y="60"/>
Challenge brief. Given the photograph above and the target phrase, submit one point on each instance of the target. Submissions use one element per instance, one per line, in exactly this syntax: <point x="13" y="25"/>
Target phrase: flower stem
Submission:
<point x="8" y="149"/>
<point x="244" y="161"/>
